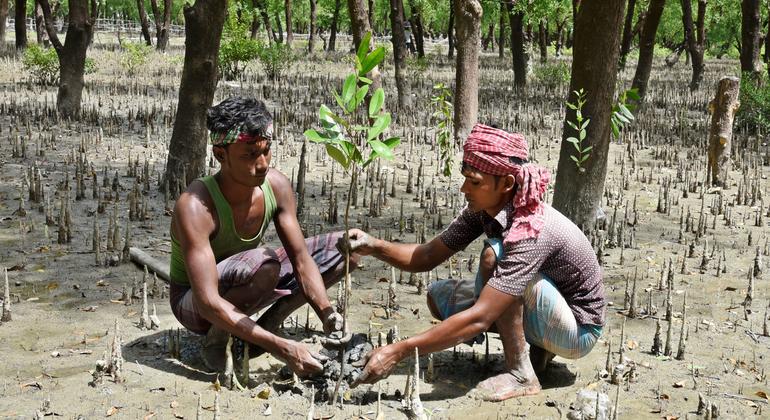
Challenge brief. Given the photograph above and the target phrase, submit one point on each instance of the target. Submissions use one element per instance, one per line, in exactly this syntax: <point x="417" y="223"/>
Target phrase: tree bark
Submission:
<point x="143" y="22"/>
<point x="489" y="38"/>
<point x="543" y="41"/>
<point x="262" y="6"/>
<point x="204" y="21"/>
<point x="20" y="23"/>
<point x="399" y="54"/>
<point x="560" y="37"/>
<point x="625" y="44"/>
<point x="42" y="36"/>
<point x="289" y="29"/>
<point x="162" y="23"/>
<point x="518" y="51"/>
<point x="279" y="39"/>
<point x="335" y="20"/>
<point x="501" y="38"/>
<point x="696" y="42"/>
<point x="417" y="29"/>
<point x="647" y="46"/>
<point x="451" y="29"/>
<point x="722" y="109"/>
<point x="578" y="195"/>
<point x="313" y="29"/>
<point x="254" y="26"/>
<point x="3" y="20"/>
<point x="72" y="54"/>
<point x="370" y="14"/>
<point x="750" y="37"/>
<point x="468" y="25"/>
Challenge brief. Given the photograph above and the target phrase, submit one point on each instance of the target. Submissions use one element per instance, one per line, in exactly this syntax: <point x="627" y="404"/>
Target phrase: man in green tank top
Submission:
<point x="220" y="275"/>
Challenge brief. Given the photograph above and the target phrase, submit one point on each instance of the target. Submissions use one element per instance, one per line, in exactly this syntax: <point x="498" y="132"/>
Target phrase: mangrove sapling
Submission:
<point x="346" y="136"/>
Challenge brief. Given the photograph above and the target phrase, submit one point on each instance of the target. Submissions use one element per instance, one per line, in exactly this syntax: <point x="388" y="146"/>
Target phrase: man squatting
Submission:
<point x="220" y="276"/>
<point x="539" y="284"/>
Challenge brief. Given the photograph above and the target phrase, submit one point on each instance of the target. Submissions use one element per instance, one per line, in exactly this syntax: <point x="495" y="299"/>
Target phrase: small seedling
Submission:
<point x="579" y="125"/>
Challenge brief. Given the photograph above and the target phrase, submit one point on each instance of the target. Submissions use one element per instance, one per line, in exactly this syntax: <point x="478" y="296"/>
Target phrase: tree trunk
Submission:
<point x="254" y="26"/>
<point x="767" y="41"/>
<point x="628" y="26"/>
<point x="162" y="23"/>
<point x="289" y="29"/>
<point x="20" y="24"/>
<point x="560" y="37"/>
<point x="370" y="14"/>
<point x="468" y="14"/>
<point x="750" y="37"/>
<point x="722" y="109"/>
<point x="279" y="39"/>
<point x="42" y="36"/>
<point x="3" y="20"/>
<point x="489" y="38"/>
<point x="399" y="54"/>
<point x="72" y="55"/>
<point x="518" y="52"/>
<point x="543" y="41"/>
<point x="501" y="38"/>
<point x="451" y="29"/>
<point x="417" y="29"/>
<point x="578" y="195"/>
<point x="313" y="29"/>
<point x="335" y="20"/>
<point x="204" y="21"/>
<point x="647" y="46"/>
<point x="143" y="22"/>
<point x="696" y="42"/>
<point x="262" y="6"/>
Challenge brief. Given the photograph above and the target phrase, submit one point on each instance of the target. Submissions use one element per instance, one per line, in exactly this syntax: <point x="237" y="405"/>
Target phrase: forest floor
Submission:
<point x="65" y="305"/>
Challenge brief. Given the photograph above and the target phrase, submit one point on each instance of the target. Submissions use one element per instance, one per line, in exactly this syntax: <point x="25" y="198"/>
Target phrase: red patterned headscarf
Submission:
<point x="489" y="150"/>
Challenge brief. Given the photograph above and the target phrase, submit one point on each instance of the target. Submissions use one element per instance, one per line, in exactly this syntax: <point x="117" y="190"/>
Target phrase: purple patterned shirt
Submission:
<point x="561" y="252"/>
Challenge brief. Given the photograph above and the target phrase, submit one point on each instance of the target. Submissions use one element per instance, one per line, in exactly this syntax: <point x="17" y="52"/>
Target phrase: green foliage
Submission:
<point x="621" y="111"/>
<point x="345" y="134"/>
<point x="754" y="111"/>
<point x="579" y="125"/>
<point x="90" y="66"/>
<point x="135" y="55"/>
<point x="275" y="58"/>
<point x="553" y="74"/>
<point x="42" y="64"/>
<point x="442" y="113"/>
<point x="234" y="53"/>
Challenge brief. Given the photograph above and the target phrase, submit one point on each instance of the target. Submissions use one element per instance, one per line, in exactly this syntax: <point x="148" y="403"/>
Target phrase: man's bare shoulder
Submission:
<point x="280" y="184"/>
<point x="194" y="207"/>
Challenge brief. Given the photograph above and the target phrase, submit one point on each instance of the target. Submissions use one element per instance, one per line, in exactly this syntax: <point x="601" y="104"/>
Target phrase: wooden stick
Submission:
<point x="141" y="259"/>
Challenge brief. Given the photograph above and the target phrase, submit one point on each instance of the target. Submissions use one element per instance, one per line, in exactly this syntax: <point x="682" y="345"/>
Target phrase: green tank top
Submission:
<point x="227" y="242"/>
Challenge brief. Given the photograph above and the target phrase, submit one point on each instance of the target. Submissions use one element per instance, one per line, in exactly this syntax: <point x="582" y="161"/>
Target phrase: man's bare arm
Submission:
<point x="406" y="257"/>
<point x="305" y="269"/>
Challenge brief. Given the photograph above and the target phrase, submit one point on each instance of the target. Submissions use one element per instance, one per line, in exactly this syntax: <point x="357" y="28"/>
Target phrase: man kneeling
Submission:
<point x="220" y="275"/>
<point x="539" y="284"/>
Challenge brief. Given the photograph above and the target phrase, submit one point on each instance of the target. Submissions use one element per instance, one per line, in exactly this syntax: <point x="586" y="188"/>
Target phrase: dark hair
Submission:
<point x="249" y="115"/>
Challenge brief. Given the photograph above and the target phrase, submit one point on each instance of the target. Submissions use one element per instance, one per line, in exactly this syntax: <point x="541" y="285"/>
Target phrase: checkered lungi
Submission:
<point x="239" y="270"/>
<point x="548" y="321"/>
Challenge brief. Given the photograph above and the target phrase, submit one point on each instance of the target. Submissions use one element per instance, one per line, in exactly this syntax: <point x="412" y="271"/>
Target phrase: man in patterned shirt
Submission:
<point x="539" y="284"/>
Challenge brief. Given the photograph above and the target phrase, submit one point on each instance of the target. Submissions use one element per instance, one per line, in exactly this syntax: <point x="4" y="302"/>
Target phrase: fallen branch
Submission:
<point x="143" y="259"/>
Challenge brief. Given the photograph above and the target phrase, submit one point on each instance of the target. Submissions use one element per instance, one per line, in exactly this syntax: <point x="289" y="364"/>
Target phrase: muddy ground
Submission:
<point x="65" y="304"/>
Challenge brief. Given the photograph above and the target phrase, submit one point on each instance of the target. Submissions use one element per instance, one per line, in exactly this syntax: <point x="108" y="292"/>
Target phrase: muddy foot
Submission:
<point x="213" y="349"/>
<point x="507" y="385"/>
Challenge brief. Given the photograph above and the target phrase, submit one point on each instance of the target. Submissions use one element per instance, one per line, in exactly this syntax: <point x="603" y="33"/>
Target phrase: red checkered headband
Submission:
<point x="489" y="150"/>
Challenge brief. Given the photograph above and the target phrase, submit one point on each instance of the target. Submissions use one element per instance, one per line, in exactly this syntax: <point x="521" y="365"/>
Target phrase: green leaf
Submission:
<point x="349" y="88"/>
<point x="587" y="149"/>
<point x="574" y="158"/>
<point x="380" y="124"/>
<point x="381" y="149"/>
<point x="338" y="155"/>
<point x="571" y="124"/>
<point x="371" y="60"/>
<point x="339" y="100"/>
<point x="365" y="80"/>
<point x="585" y="158"/>
<point x="615" y="129"/>
<point x="363" y="47"/>
<point x="313" y="136"/>
<point x="585" y="124"/>
<point x="392" y="142"/>
<point x="376" y="103"/>
<point x="351" y="151"/>
<point x="360" y="95"/>
<point x="575" y="143"/>
<point x="622" y="119"/>
<point x="582" y="135"/>
<point x="579" y="115"/>
<point x="633" y="94"/>
<point x="626" y="113"/>
<point x="571" y="106"/>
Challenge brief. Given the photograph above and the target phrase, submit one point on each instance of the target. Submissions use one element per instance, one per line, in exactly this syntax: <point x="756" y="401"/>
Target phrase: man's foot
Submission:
<point x="507" y="385"/>
<point x="540" y="358"/>
<point x="213" y="349"/>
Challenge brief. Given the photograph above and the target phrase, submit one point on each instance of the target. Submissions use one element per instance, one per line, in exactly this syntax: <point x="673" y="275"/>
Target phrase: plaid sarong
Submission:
<point x="239" y="269"/>
<point x="548" y="321"/>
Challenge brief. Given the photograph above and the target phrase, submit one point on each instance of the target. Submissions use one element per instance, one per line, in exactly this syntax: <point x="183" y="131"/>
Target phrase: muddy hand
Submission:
<point x="301" y="361"/>
<point x="379" y="364"/>
<point x="333" y="323"/>
<point x="358" y="241"/>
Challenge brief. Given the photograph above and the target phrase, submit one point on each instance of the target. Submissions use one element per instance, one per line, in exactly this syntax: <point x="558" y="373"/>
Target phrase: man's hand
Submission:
<point x="379" y="362"/>
<point x="302" y="361"/>
<point x="333" y="322"/>
<point x="358" y="241"/>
